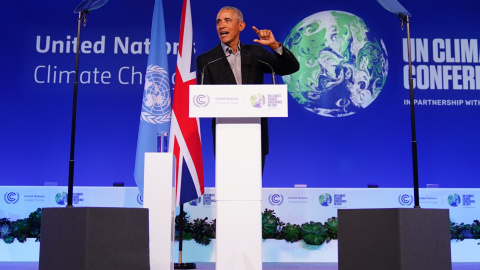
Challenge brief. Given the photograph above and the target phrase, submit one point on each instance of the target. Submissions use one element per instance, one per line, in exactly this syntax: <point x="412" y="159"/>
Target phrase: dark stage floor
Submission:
<point x="266" y="266"/>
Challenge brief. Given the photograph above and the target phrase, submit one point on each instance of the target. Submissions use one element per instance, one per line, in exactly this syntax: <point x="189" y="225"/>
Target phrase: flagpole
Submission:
<point x="180" y="235"/>
<point x="181" y="225"/>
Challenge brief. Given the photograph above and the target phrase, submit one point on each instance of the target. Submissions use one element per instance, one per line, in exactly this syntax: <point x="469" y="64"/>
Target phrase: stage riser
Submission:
<point x="394" y="239"/>
<point x="88" y="238"/>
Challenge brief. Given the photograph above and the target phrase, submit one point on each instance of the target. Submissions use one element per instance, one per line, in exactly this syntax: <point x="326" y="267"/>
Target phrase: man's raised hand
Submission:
<point x="266" y="38"/>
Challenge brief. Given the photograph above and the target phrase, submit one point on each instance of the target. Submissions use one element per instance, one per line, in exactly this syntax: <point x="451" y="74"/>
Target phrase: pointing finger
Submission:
<point x="255" y="29"/>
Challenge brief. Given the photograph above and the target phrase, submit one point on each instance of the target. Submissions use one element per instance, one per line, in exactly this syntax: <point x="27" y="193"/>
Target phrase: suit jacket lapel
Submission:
<point x="224" y="66"/>
<point x="246" y="63"/>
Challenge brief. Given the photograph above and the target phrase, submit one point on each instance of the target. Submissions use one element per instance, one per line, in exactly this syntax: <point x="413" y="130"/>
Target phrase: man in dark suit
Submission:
<point x="232" y="62"/>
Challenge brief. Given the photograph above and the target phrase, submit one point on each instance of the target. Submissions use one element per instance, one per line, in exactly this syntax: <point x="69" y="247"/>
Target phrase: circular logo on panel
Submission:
<point x="405" y="199"/>
<point x="325" y="199"/>
<point x="195" y="202"/>
<point x="201" y="100"/>
<point x="61" y="198"/>
<point x="454" y="200"/>
<point x="140" y="199"/>
<point x="275" y="199"/>
<point x="11" y="197"/>
<point x="257" y="101"/>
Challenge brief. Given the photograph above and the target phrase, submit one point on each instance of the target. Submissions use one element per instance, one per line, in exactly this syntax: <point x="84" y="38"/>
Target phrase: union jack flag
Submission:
<point x="185" y="131"/>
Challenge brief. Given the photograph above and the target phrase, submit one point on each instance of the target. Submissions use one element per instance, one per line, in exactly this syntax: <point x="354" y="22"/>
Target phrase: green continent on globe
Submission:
<point x="342" y="70"/>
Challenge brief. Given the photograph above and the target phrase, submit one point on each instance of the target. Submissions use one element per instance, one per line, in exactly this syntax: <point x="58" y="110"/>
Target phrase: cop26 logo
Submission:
<point x="195" y="202"/>
<point x="325" y="199"/>
<point x="61" y="198"/>
<point x="454" y="200"/>
<point x="257" y="101"/>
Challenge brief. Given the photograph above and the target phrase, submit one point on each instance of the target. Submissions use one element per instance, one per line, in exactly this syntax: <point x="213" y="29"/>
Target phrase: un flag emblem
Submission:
<point x="156" y="106"/>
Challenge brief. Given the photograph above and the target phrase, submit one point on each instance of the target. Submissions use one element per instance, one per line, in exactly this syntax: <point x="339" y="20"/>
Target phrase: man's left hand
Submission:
<point x="266" y="38"/>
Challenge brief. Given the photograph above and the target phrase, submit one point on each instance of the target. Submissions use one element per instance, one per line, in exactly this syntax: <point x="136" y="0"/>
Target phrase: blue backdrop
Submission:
<point x="370" y="146"/>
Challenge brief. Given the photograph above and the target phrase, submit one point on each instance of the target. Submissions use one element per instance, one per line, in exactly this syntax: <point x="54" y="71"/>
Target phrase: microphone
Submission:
<point x="265" y="63"/>
<point x="203" y="70"/>
<point x="273" y="71"/>
<point x="230" y="51"/>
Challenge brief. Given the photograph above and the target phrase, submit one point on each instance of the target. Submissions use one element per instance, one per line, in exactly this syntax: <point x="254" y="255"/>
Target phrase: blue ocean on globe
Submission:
<point x="343" y="66"/>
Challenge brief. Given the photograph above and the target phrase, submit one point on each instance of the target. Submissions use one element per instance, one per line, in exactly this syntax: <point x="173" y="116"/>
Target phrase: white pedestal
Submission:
<point x="238" y="181"/>
<point x="238" y="159"/>
<point x="238" y="169"/>
<point x="159" y="198"/>
<point x="239" y="235"/>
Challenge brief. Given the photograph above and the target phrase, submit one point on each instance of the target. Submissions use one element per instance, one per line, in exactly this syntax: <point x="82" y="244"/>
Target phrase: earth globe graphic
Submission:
<point x="343" y="67"/>
<point x="454" y="200"/>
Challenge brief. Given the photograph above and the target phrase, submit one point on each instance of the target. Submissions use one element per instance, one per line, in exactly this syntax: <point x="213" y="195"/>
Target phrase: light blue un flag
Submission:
<point x="157" y="103"/>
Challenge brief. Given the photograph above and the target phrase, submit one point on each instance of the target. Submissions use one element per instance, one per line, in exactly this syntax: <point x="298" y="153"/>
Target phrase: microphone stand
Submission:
<point x="82" y="16"/>
<point x="273" y="71"/>
<point x="405" y="20"/>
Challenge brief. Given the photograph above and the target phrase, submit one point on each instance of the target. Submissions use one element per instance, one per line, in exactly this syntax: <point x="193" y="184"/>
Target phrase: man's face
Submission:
<point x="229" y="27"/>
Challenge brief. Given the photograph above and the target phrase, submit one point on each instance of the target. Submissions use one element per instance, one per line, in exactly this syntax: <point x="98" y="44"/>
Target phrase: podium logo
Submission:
<point x="325" y="199"/>
<point x="405" y="199"/>
<point x="201" y="100"/>
<point x="257" y="101"/>
<point x="275" y="199"/>
<point x="12" y="197"/>
<point x="454" y="200"/>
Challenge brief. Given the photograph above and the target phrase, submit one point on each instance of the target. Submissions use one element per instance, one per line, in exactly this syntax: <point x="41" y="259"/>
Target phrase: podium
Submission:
<point x="159" y="198"/>
<point x="238" y="170"/>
